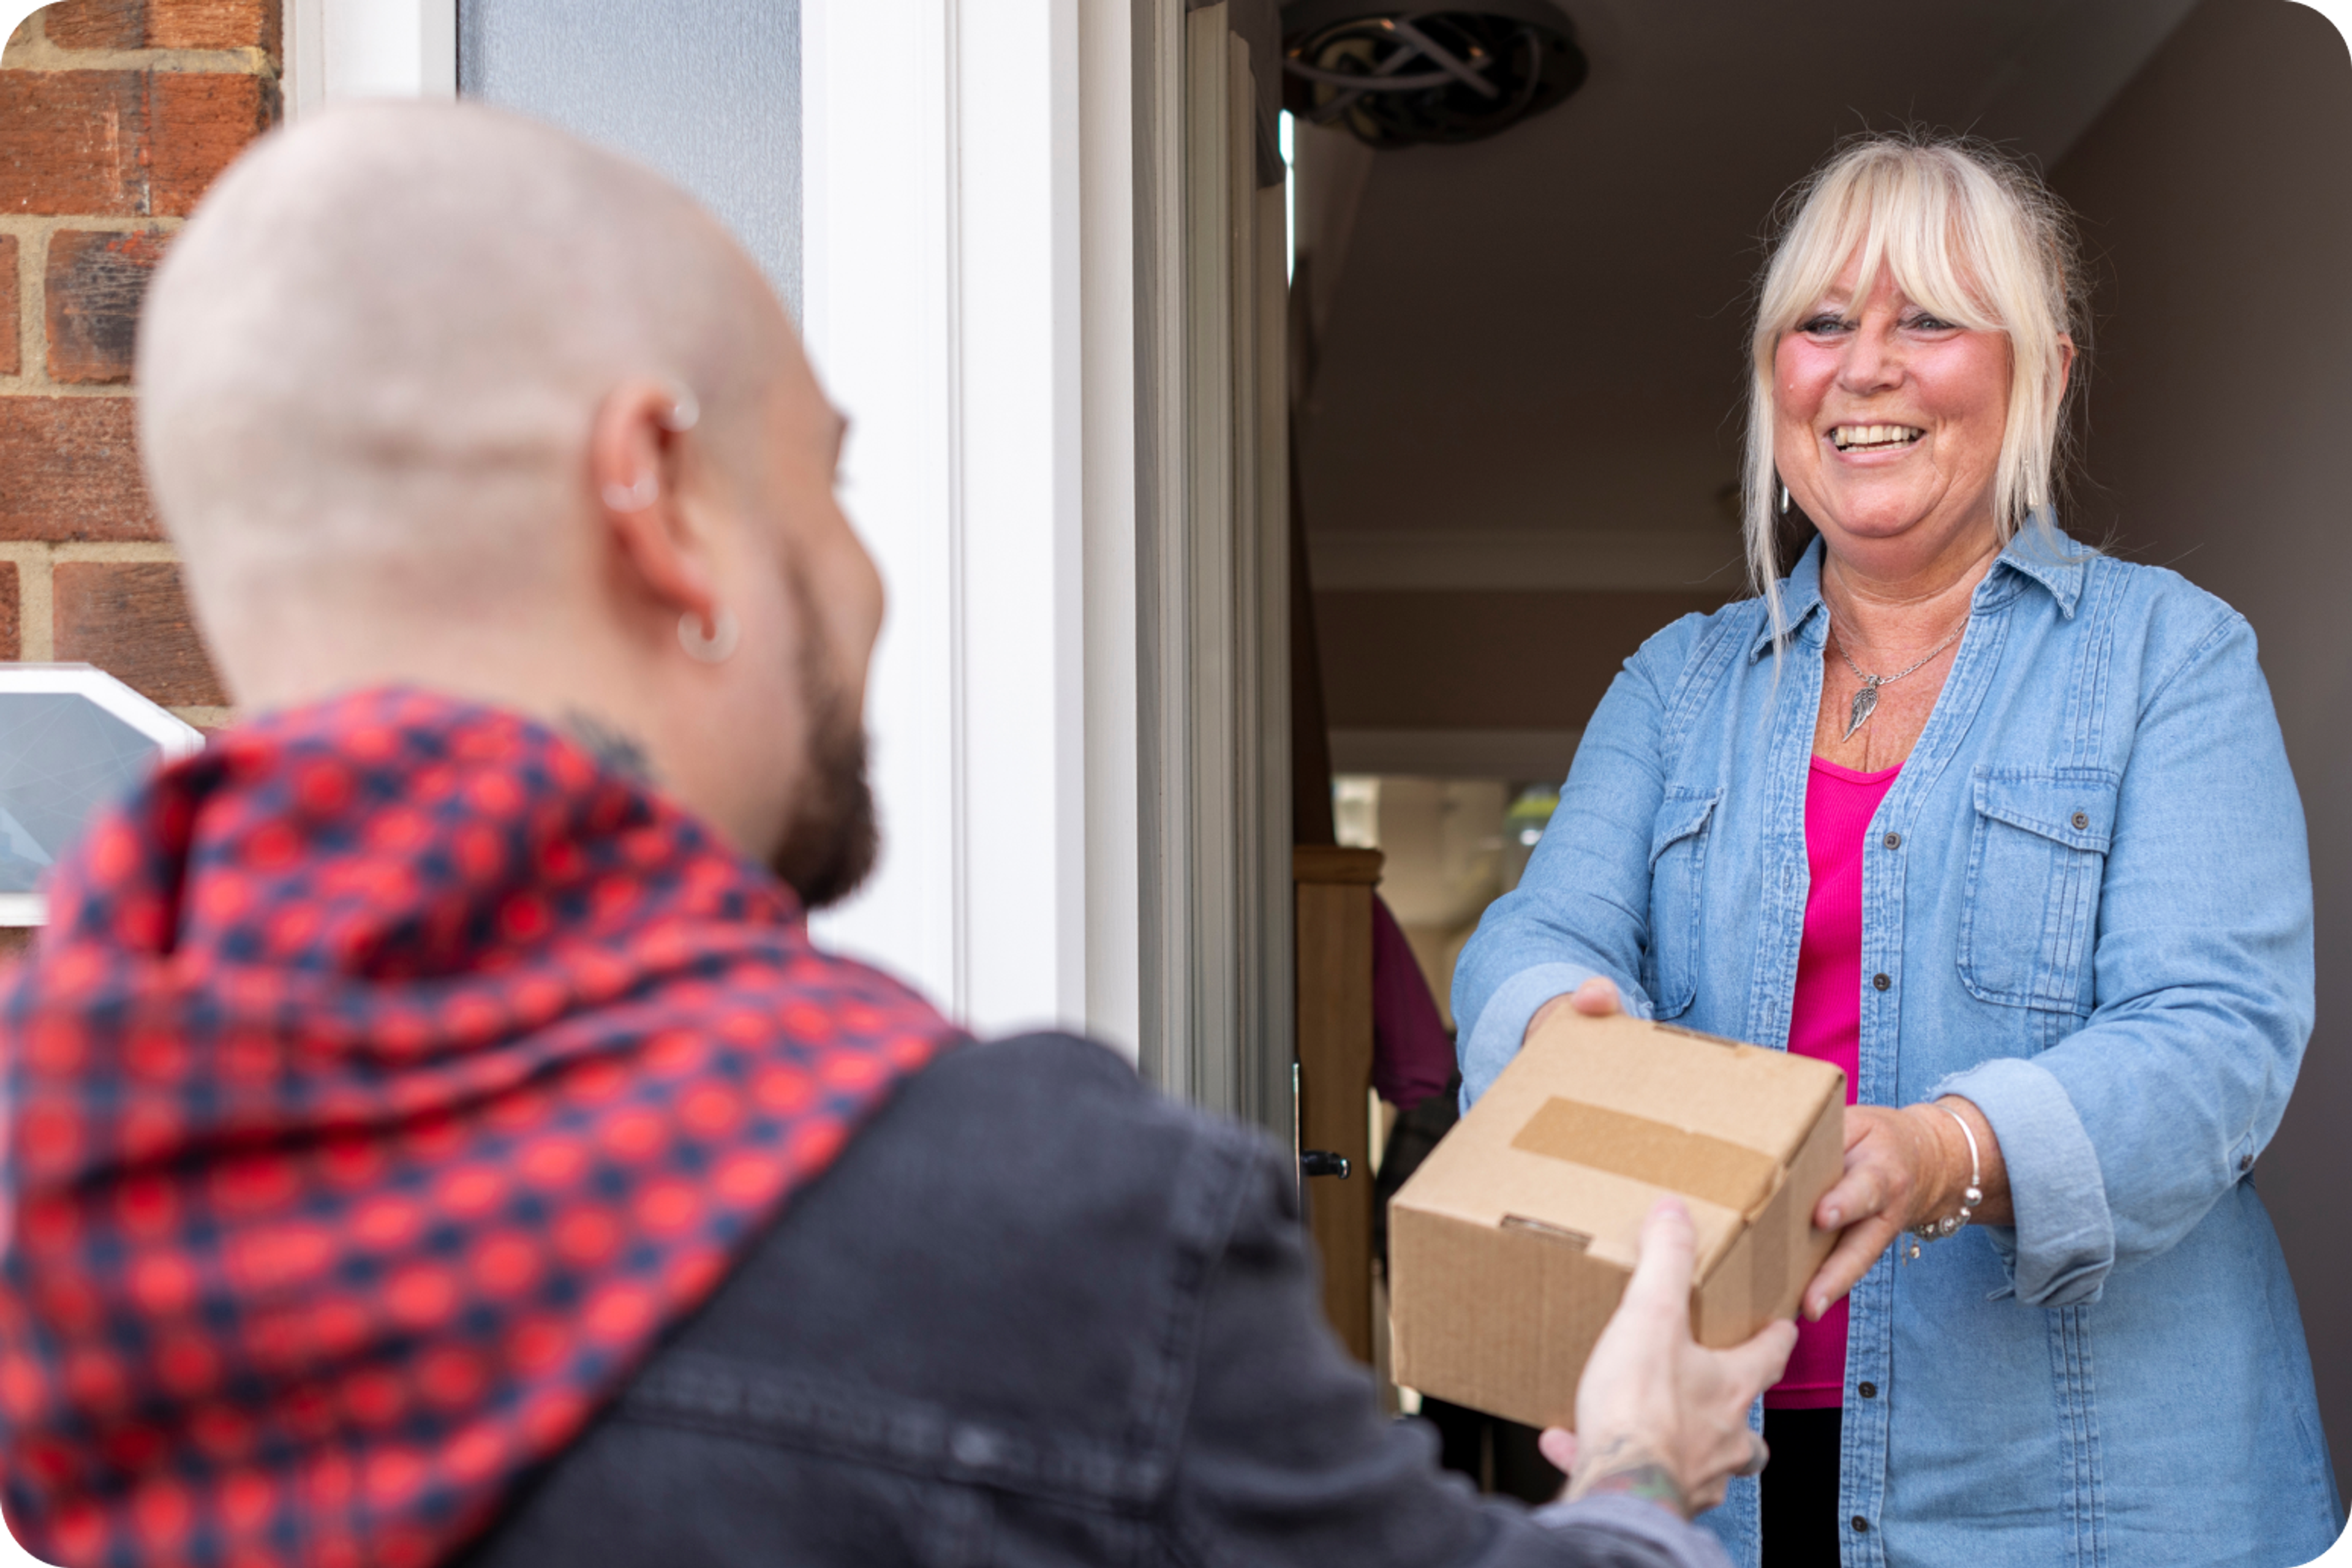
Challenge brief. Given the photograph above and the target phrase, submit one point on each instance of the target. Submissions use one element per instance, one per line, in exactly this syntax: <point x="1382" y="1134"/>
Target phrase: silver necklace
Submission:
<point x="1865" y="701"/>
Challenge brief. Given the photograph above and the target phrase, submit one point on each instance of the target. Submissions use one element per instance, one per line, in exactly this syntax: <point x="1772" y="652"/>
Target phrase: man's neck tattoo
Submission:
<point x="608" y="745"/>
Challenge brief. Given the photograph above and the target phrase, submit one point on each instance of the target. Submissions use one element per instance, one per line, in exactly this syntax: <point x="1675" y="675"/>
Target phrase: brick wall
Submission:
<point x="114" y="115"/>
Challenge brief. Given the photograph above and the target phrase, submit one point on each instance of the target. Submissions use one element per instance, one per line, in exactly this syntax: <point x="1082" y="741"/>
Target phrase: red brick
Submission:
<point x="11" y="638"/>
<point x="132" y="620"/>
<point x="11" y="356"/>
<point x="70" y="141"/>
<point x="70" y="470"/>
<point x="97" y="24"/>
<point x="164" y="23"/>
<point x="202" y="122"/>
<point x="14" y="940"/>
<point x="119" y="143"/>
<point x="95" y="282"/>
<point x="215" y="25"/>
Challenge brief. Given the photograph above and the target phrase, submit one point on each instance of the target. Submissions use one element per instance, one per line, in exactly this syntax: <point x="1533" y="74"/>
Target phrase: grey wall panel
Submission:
<point x="2219" y="451"/>
<point x="707" y="91"/>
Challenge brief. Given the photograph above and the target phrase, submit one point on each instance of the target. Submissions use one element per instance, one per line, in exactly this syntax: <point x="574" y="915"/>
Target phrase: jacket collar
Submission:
<point x="2050" y="557"/>
<point x="2056" y="563"/>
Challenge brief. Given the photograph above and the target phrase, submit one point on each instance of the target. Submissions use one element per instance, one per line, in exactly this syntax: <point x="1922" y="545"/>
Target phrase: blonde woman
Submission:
<point x="2005" y="829"/>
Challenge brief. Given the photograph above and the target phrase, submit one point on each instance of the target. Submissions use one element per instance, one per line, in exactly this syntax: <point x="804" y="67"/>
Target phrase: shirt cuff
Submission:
<point x="1683" y="1545"/>
<point x="2065" y="1232"/>
<point x="1495" y="1038"/>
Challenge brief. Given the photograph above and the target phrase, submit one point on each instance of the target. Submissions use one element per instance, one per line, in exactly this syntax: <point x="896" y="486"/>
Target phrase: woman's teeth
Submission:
<point x="1873" y="437"/>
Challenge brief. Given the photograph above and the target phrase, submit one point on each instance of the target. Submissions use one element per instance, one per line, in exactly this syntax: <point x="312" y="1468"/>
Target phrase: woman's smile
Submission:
<point x="1859" y="440"/>
<point x="1890" y="420"/>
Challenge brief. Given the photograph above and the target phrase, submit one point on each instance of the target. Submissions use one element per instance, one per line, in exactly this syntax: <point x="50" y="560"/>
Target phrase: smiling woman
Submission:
<point x="1895" y="320"/>
<point x="2005" y="830"/>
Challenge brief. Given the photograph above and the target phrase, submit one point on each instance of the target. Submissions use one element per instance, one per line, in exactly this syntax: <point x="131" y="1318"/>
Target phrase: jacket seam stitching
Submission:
<point x="2227" y="622"/>
<point x="1701" y="673"/>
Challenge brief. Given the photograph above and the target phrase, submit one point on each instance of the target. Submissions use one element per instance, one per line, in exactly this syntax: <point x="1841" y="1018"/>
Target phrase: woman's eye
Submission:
<point x="1931" y="324"/>
<point x="1821" y="325"/>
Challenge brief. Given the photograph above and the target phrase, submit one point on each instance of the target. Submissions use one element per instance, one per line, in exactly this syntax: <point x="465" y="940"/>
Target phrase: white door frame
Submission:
<point x="1056" y="378"/>
<point x="969" y="252"/>
<point x="955" y="241"/>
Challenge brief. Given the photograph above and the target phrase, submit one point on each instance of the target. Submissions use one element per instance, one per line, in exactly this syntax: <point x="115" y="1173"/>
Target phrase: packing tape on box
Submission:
<point x="1650" y="1151"/>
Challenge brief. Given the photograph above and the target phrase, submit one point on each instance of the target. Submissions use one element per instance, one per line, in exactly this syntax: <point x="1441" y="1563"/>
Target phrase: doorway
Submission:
<point x="1521" y="361"/>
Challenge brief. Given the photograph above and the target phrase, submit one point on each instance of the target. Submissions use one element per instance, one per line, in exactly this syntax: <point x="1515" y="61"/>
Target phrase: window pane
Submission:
<point x="707" y="91"/>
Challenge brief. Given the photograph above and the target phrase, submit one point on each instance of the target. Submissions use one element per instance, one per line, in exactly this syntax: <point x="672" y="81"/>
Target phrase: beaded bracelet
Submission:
<point x="1937" y="1229"/>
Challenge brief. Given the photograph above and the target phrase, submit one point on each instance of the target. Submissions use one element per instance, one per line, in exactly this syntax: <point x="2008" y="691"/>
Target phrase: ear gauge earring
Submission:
<point x="712" y="646"/>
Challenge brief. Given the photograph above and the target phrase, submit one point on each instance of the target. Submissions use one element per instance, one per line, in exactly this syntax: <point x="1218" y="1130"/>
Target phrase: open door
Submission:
<point x="1213" y="565"/>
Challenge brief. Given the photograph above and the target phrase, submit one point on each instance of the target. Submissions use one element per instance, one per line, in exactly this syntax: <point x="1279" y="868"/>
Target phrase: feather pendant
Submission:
<point x="1865" y="703"/>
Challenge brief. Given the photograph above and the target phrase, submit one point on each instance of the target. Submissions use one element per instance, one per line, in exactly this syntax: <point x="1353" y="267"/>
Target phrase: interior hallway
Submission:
<point x="1524" y="359"/>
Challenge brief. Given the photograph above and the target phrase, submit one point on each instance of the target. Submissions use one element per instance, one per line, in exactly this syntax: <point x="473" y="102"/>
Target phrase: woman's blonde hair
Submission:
<point x="1967" y="234"/>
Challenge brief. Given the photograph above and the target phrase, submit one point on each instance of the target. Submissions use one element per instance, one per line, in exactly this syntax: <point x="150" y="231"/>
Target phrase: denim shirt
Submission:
<point x="2087" y="909"/>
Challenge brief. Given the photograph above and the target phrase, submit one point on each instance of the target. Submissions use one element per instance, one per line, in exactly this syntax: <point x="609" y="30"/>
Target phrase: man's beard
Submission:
<point x="830" y="844"/>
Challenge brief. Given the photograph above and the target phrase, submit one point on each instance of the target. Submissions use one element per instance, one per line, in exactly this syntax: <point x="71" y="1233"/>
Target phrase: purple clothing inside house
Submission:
<point x="1412" y="1056"/>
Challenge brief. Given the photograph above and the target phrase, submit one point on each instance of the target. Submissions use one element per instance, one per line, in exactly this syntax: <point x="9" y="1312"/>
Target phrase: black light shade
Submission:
<point x="1399" y="75"/>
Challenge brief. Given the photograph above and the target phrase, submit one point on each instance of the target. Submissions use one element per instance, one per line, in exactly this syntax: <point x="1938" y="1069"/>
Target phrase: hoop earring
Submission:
<point x="711" y="646"/>
<point x="634" y="497"/>
<point x="1784" y="501"/>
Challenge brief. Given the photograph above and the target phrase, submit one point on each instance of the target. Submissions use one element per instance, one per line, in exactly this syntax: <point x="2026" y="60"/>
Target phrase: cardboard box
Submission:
<point x="1510" y="1246"/>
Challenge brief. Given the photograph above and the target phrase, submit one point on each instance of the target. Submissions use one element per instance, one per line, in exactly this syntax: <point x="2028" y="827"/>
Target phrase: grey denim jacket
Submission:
<point x="1035" y="1314"/>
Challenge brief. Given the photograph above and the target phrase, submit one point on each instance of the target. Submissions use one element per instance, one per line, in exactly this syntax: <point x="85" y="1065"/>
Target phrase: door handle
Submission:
<point x="1323" y="1163"/>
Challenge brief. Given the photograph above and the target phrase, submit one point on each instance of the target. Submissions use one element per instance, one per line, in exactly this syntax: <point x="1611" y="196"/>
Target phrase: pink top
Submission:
<point x="1825" y="1020"/>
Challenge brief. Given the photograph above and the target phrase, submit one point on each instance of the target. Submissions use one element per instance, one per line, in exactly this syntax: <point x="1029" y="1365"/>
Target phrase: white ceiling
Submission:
<point x="1541" y="334"/>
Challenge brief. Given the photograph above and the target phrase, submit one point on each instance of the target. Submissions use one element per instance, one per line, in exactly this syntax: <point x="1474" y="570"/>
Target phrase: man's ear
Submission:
<point x="636" y="452"/>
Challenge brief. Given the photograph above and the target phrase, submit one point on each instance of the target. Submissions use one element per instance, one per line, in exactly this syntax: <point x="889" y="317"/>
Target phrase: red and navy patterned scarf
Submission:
<point x="389" y="1078"/>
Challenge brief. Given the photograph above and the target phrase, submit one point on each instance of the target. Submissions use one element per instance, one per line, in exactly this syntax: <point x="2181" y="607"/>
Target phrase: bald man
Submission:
<point x="432" y="1135"/>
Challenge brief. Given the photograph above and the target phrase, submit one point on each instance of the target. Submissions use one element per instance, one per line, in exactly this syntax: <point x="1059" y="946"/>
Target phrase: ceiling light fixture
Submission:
<point x="1401" y="75"/>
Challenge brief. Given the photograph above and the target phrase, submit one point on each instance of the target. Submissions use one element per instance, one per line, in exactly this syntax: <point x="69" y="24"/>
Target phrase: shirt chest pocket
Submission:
<point x="2031" y="908"/>
<point x="1677" y="866"/>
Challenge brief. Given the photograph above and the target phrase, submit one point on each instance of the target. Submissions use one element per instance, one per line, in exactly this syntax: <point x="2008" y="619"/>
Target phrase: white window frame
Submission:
<point x="369" y="48"/>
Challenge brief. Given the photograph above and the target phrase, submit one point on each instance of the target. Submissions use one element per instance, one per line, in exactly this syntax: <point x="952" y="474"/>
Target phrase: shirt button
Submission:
<point x="1861" y="1525"/>
<point x="2081" y="820"/>
<point x="1894" y="841"/>
<point x="1867" y="1390"/>
<point x="1882" y="981"/>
